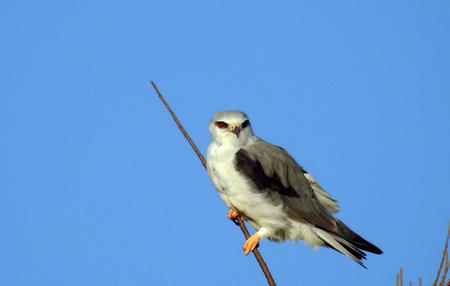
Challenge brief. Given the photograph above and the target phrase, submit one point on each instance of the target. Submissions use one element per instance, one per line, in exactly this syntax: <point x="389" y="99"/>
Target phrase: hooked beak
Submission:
<point x="236" y="130"/>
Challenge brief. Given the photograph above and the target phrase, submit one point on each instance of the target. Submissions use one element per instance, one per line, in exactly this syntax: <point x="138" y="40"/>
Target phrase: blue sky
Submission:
<point x="98" y="187"/>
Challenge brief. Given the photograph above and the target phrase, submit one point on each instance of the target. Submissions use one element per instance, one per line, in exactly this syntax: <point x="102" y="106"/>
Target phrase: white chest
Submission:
<point x="237" y="191"/>
<point x="221" y="169"/>
<point x="220" y="162"/>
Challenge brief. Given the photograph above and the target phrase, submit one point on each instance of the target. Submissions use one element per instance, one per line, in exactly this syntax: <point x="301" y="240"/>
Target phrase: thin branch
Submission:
<point x="445" y="269"/>
<point x="444" y="255"/>
<point x="401" y="276"/>
<point x="240" y="220"/>
<point x="186" y="135"/>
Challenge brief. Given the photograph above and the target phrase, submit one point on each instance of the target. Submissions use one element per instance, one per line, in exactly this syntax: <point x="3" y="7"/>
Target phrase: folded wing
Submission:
<point x="276" y="174"/>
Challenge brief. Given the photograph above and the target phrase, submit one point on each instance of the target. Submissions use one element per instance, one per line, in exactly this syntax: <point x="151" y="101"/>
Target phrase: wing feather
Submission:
<point x="325" y="199"/>
<point x="276" y="174"/>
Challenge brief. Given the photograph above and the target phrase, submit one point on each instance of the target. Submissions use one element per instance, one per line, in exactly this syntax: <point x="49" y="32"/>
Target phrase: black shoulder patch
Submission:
<point x="254" y="171"/>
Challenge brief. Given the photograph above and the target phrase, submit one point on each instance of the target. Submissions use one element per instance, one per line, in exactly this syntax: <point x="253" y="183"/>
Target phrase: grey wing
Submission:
<point x="324" y="198"/>
<point x="276" y="174"/>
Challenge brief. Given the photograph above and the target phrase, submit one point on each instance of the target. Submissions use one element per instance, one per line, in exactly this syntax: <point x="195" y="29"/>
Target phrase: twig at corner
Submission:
<point x="444" y="259"/>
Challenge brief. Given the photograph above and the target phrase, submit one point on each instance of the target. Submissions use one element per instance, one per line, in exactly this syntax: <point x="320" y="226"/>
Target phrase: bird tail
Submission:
<point x="347" y="242"/>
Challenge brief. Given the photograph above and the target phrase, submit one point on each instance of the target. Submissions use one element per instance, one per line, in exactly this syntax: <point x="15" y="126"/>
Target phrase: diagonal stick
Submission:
<point x="240" y="220"/>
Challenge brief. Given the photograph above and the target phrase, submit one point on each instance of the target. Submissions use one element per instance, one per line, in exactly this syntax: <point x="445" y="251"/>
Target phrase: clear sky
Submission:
<point x="98" y="187"/>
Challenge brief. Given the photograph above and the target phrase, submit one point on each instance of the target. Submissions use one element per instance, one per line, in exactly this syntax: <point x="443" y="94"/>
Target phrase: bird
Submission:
<point x="263" y="184"/>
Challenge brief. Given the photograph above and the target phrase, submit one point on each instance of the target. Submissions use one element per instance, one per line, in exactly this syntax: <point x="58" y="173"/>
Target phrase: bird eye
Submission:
<point x="221" y="124"/>
<point x="245" y="124"/>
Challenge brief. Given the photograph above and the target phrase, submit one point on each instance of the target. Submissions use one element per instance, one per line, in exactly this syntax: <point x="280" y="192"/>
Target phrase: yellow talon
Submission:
<point x="251" y="243"/>
<point x="232" y="214"/>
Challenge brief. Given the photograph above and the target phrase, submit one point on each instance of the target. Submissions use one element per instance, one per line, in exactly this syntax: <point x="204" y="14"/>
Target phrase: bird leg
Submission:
<point x="251" y="243"/>
<point x="232" y="214"/>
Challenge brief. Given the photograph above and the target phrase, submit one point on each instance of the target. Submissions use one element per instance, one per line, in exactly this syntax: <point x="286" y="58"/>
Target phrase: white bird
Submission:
<point x="279" y="199"/>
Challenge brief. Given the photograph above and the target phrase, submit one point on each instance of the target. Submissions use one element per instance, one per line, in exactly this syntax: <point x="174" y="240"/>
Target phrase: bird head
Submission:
<point x="230" y="126"/>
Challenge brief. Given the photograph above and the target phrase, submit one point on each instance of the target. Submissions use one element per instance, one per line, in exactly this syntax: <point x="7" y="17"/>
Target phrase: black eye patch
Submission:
<point x="245" y="123"/>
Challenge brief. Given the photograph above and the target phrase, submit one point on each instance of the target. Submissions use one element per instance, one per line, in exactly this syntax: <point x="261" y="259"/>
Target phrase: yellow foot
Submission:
<point x="251" y="243"/>
<point x="232" y="214"/>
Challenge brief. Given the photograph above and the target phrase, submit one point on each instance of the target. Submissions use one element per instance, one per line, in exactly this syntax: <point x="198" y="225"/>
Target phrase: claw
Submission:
<point x="251" y="243"/>
<point x="232" y="214"/>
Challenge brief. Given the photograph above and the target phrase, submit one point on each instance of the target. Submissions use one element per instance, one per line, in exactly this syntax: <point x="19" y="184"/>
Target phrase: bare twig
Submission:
<point x="444" y="259"/>
<point x="240" y="220"/>
<point x="445" y="269"/>
<point x="401" y="276"/>
<point x="186" y="135"/>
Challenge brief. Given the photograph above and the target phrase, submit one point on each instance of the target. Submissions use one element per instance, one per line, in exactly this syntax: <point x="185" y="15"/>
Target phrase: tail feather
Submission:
<point x="347" y="242"/>
<point x="351" y="248"/>
<point x="349" y="235"/>
<point x="337" y="244"/>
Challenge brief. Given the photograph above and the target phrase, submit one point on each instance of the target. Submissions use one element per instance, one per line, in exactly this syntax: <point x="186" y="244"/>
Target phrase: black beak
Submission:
<point x="237" y="130"/>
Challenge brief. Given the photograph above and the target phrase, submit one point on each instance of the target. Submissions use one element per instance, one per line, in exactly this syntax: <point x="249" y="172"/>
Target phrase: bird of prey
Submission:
<point x="267" y="187"/>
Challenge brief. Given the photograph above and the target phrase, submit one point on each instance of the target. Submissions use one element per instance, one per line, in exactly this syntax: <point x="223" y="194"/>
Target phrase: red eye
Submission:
<point x="221" y="124"/>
